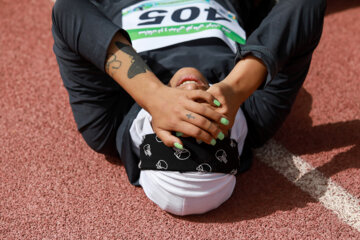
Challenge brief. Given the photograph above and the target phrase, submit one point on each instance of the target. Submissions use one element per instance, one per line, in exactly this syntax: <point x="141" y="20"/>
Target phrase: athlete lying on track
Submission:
<point x="117" y="57"/>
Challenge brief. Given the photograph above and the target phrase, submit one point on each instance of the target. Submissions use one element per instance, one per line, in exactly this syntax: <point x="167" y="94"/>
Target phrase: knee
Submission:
<point x="187" y="193"/>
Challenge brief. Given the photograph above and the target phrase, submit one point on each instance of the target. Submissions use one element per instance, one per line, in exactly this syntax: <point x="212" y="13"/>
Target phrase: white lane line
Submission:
<point x="310" y="180"/>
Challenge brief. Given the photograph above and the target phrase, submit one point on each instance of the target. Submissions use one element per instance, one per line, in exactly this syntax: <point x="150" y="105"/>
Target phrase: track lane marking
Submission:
<point x="310" y="180"/>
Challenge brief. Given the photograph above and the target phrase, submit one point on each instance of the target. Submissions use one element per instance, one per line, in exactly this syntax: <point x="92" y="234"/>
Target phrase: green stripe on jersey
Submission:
<point x="181" y="30"/>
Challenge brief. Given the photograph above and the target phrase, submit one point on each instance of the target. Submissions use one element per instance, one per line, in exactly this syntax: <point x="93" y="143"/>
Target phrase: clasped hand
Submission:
<point x="192" y="113"/>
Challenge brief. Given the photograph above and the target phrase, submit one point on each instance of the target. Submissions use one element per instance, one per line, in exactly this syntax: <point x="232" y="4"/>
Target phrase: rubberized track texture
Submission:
<point x="303" y="185"/>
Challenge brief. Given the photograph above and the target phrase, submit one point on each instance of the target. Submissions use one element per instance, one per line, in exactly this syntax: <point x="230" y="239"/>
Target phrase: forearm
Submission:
<point x="127" y="68"/>
<point x="247" y="75"/>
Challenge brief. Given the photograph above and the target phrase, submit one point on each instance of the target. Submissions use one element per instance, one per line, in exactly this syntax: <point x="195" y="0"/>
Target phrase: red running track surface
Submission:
<point x="52" y="186"/>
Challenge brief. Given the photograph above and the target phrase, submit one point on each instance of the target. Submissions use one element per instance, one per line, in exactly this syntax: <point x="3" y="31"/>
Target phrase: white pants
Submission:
<point x="187" y="193"/>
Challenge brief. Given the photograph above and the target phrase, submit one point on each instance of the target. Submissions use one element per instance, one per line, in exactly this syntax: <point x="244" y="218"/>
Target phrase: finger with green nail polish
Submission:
<point x="213" y="142"/>
<point x="178" y="146"/>
<point x="224" y="121"/>
<point x="217" y="103"/>
<point x="220" y="136"/>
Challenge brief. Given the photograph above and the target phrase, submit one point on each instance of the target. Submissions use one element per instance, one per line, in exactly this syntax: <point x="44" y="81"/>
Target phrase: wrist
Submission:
<point x="153" y="96"/>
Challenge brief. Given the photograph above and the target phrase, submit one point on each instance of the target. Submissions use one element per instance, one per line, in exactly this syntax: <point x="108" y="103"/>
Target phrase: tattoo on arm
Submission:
<point x="137" y="64"/>
<point x="113" y="63"/>
<point x="189" y="116"/>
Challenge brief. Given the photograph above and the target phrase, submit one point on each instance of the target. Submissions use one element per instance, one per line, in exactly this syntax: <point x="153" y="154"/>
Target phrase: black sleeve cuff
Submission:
<point x="261" y="53"/>
<point x="100" y="50"/>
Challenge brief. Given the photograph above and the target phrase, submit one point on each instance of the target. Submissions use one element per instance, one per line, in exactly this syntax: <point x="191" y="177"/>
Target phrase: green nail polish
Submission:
<point x="178" y="134"/>
<point x="217" y="103"/>
<point x="213" y="142"/>
<point x="220" y="136"/>
<point x="224" y="121"/>
<point x="179" y="146"/>
<point x="198" y="141"/>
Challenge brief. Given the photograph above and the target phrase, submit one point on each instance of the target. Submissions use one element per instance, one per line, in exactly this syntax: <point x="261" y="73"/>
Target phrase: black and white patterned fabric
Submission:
<point x="195" y="157"/>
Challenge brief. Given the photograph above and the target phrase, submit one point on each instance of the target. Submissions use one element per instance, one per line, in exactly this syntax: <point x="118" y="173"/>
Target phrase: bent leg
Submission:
<point x="97" y="101"/>
<point x="267" y="108"/>
<point x="292" y="49"/>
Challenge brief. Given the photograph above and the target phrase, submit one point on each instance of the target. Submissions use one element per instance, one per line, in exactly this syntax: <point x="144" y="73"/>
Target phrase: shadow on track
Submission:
<point x="262" y="191"/>
<point x="322" y="138"/>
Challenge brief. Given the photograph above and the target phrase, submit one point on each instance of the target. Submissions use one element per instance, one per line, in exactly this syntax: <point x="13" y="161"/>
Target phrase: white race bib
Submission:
<point x="156" y="24"/>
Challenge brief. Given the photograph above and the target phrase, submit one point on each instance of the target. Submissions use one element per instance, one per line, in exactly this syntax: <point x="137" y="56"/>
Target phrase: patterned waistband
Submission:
<point x="195" y="157"/>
